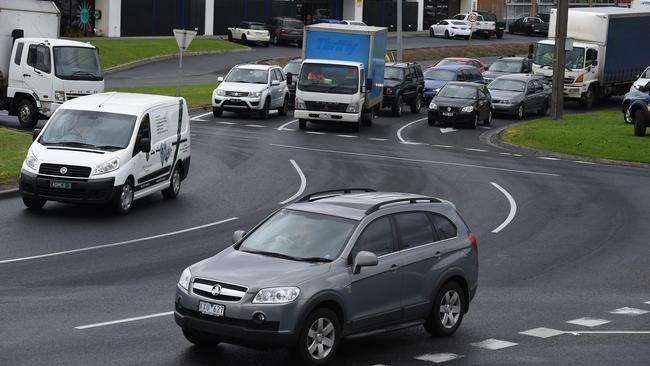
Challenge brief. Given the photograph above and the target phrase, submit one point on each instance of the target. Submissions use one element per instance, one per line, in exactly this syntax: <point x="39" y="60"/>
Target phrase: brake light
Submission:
<point x="472" y="239"/>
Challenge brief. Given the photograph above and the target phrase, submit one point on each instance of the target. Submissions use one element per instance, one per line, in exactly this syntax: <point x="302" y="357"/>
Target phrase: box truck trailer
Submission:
<point x="39" y="71"/>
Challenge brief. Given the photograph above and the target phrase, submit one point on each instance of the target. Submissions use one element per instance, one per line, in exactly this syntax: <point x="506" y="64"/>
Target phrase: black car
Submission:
<point x="285" y="30"/>
<point x="292" y="67"/>
<point x="403" y="82"/>
<point x="529" y="26"/>
<point x="460" y="103"/>
<point x="499" y="26"/>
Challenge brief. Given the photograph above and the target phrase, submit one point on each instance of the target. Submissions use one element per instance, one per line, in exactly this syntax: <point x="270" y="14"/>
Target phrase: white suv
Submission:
<point x="251" y="88"/>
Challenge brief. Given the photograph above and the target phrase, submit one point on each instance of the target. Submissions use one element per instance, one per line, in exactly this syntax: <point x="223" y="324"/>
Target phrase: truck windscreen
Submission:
<point x="336" y="79"/>
<point x="100" y="130"/>
<point x="544" y="54"/>
<point x="77" y="63"/>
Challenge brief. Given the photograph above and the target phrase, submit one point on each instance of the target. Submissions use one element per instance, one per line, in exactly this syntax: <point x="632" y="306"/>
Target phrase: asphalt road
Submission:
<point x="206" y="69"/>
<point x="576" y="248"/>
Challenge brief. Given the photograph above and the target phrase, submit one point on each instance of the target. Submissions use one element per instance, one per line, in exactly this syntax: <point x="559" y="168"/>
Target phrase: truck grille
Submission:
<point x="222" y="291"/>
<point x="326" y="107"/>
<point x="568" y="81"/>
<point x="71" y="171"/>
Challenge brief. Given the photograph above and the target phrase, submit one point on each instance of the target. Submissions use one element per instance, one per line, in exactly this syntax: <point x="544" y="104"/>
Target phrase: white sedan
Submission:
<point x="451" y="28"/>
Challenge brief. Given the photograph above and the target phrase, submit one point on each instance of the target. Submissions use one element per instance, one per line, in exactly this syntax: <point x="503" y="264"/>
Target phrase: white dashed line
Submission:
<point x="124" y="320"/>
<point x="629" y="311"/>
<point x="477" y="150"/>
<point x="493" y="344"/>
<point x="444" y="146"/>
<point x="609" y="332"/>
<point x="517" y="155"/>
<point x="227" y="123"/>
<point x="542" y="332"/>
<point x="547" y="158"/>
<point x="347" y="136"/>
<point x="289" y="129"/>
<point x="283" y="127"/>
<point x="198" y="120"/>
<point x="412" y="143"/>
<point x="513" y="208"/>
<point x="255" y="126"/>
<point x="376" y="139"/>
<point x="201" y="115"/>
<point x="438" y="357"/>
<point x="588" y="322"/>
<point x="399" y="132"/>
<point x="647" y="302"/>
<point x="303" y="184"/>
<point x="584" y="162"/>
<point x="505" y="153"/>
<point x="315" y="132"/>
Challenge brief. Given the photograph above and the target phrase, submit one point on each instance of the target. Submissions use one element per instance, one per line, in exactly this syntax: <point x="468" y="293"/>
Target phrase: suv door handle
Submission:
<point x="394" y="267"/>
<point x="27" y="76"/>
<point x="437" y="255"/>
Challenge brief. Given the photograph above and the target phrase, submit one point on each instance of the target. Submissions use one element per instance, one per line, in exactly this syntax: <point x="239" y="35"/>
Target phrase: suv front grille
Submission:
<point x="326" y="107"/>
<point x="71" y="171"/>
<point x="228" y="292"/>
<point x="236" y="94"/>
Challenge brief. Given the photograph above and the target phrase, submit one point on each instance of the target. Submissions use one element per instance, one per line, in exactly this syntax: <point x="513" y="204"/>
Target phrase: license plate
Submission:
<point x="234" y="100"/>
<point x="325" y="116"/>
<point x="211" y="309"/>
<point x="61" y="185"/>
<point x="448" y="114"/>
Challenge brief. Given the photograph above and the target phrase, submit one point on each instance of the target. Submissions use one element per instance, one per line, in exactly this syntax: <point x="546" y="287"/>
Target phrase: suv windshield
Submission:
<point x="544" y="54"/>
<point x="394" y="73"/>
<point x="241" y="75"/>
<point x="457" y="92"/>
<point x="300" y="236"/>
<point x="337" y="79"/>
<point x="100" y="130"/>
<point x="77" y="63"/>
<point x="508" y="85"/>
<point x="505" y="66"/>
<point x="436" y="74"/>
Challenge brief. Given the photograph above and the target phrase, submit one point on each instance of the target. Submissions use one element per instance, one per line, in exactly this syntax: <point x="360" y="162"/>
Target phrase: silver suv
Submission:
<point x="334" y="264"/>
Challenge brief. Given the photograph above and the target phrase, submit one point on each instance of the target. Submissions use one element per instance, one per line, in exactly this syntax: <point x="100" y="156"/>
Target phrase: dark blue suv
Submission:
<point x="636" y="109"/>
<point x="438" y="76"/>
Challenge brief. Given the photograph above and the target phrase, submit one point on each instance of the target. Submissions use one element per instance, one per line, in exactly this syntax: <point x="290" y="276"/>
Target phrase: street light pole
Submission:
<point x="559" y="64"/>
<point x="399" y="30"/>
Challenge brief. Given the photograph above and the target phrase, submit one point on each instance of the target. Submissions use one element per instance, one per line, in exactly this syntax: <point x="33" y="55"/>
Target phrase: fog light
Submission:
<point x="259" y="318"/>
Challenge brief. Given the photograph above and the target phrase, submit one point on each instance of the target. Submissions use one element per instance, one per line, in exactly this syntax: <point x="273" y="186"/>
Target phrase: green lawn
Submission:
<point x="598" y="135"/>
<point x="13" y="149"/>
<point x="113" y="52"/>
<point x="197" y="96"/>
<point x="473" y="51"/>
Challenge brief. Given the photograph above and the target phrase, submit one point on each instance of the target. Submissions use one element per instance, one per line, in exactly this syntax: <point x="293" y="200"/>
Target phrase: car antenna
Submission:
<point x="112" y="94"/>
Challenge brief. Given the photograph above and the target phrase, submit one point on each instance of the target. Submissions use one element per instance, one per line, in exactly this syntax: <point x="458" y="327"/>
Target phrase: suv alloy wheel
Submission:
<point x="319" y="338"/>
<point x="448" y="310"/>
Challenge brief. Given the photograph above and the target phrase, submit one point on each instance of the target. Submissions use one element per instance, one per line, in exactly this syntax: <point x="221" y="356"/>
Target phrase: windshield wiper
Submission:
<point x="78" y="73"/>
<point x="109" y="147"/>
<point x="315" y="259"/>
<point x="272" y="254"/>
<point x="70" y="143"/>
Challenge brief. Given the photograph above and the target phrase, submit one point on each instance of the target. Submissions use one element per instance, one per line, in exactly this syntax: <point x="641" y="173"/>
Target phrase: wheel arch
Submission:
<point x="327" y="299"/>
<point x="20" y="96"/>
<point x="453" y="275"/>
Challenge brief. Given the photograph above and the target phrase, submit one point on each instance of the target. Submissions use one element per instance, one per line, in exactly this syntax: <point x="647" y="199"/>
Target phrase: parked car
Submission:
<point x="461" y="103"/>
<point x="436" y="77"/>
<point x="499" y="26"/>
<point x="643" y="79"/>
<point x="636" y="109"/>
<point x="462" y="61"/>
<point x="252" y="88"/>
<point x="284" y="30"/>
<point x="508" y="65"/>
<point x="518" y="94"/>
<point x="451" y="28"/>
<point x="292" y="67"/>
<point x="529" y="26"/>
<point x="403" y="83"/>
<point x="252" y="32"/>
<point x="480" y="26"/>
<point x="333" y="265"/>
<point x="353" y="22"/>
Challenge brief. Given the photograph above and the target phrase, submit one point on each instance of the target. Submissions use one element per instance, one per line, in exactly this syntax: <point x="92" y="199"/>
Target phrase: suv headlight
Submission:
<point x="255" y="94"/>
<point x="59" y="96"/>
<point x="107" y="167"/>
<point x="300" y="104"/>
<point x="221" y="92"/>
<point x="433" y="105"/>
<point x="276" y="295"/>
<point x="184" y="281"/>
<point x="468" y="109"/>
<point x="31" y="161"/>
<point x="352" y="108"/>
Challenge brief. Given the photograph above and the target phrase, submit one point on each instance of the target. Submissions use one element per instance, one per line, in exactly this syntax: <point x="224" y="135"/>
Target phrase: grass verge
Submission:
<point x="473" y="51"/>
<point x="596" y="135"/>
<point x="114" y="52"/>
<point x="13" y="149"/>
<point x="197" y="95"/>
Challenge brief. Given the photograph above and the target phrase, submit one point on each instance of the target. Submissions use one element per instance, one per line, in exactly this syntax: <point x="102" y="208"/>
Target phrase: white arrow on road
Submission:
<point x="446" y="130"/>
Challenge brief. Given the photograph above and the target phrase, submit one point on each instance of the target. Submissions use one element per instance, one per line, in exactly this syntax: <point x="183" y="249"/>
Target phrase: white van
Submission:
<point x="108" y="148"/>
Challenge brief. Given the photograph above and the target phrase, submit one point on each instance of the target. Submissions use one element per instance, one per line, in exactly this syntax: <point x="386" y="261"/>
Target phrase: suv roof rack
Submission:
<point x="331" y="193"/>
<point x="409" y="200"/>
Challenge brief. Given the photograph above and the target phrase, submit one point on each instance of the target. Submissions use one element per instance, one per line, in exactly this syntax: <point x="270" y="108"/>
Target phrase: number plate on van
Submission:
<point x="60" y="185"/>
<point x="211" y="309"/>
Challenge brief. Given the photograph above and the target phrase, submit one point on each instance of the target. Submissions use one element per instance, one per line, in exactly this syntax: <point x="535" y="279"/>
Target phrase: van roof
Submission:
<point x="56" y="42"/>
<point x="122" y="103"/>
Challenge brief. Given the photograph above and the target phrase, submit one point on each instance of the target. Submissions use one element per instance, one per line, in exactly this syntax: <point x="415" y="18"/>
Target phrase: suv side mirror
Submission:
<point x="145" y="145"/>
<point x="237" y="235"/>
<point x="37" y="131"/>
<point x="220" y="79"/>
<point x="289" y="78"/>
<point x="363" y="259"/>
<point x="275" y="82"/>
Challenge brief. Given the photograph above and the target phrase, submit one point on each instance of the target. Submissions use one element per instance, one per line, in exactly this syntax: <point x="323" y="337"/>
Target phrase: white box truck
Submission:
<point x="38" y="71"/>
<point x="608" y="52"/>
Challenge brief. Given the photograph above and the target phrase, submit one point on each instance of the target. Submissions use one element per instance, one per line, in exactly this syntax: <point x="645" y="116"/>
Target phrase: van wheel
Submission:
<point x="200" y="339"/>
<point x="174" y="184"/>
<point x="640" y="122"/>
<point x="302" y="124"/>
<point x="285" y="106"/>
<point x="27" y="113"/>
<point x="216" y="112"/>
<point x="124" y="199"/>
<point x="448" y="310"/>
<point x="319" y="338"/>
<point x="34" y="203"/>
<point x="264" y="113"/>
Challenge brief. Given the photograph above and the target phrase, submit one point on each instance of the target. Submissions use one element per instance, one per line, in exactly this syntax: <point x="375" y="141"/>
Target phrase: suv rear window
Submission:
<point x="414" y="229"/>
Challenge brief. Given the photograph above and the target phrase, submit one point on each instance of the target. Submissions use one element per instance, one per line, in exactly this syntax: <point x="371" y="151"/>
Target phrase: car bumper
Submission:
<point x="458" y="118"/>
<point x="505" y="108"/>
<point x="460" y="32"/>
<point x="573" y="92"/>
<point x="258" y="38"/>
<point x="48" y="108"/>
<point x="82" y="191"/>
<point x="237" y="104"/>
<point x="291" y="37"/>
<point x="326" y="116"/>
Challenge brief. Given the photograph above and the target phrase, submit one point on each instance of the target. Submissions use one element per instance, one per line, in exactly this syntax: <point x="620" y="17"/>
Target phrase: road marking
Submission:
<point x="629" y="311"/>
<point x="447" y="130"/>
<point x="376" y="139"/>
<point x="118" y="243"/>
<point x="81" y="327"/>
<point x="201" y="116"/>
<point x="315" y="132"/>
<point x="588" y="322"/>
<point x="255" y="126"/>
<point x="227" y="123"/>
<point x="445" y="146"/>
<point x="584" y="162"/>
<point x="486" y="127"/>
<point x="413" y="143"/>
<point x="547" y="158"/>
<point x="493" y="344"/>
<point x="608" y="332"/>
<point x="303" y="184"/>
<point x="513" y="208"/>
<point x="542" y="332"/>
<point x="416" y="160"/>
<point x="438" y="357"/>
<point x="198" y="120"/>
<point x="283" y="127"/>
<point x="505" y="153"/>
<point x="347" y="136"/>
<point x="472" y="149"/>
<point x="399" y="132"/>
<point x="647" y="302"/>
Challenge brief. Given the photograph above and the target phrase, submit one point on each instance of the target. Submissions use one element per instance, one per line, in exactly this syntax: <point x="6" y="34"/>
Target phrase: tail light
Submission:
<point x="472" y="239"/>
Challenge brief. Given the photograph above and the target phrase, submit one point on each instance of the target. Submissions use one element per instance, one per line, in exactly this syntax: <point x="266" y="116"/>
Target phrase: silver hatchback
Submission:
<point x="335" y="264"/>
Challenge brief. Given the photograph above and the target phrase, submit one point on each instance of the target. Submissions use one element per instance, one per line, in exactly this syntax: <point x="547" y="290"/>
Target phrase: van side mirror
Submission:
<point x="37" y="131"/>
<point x="237" y="235"/>
<point x="145" y="145"/>
<point x="220" y="79"/>
<point x="363" y="259"/>
<point x="289" y="78"/>
<point x="594" y="63"/>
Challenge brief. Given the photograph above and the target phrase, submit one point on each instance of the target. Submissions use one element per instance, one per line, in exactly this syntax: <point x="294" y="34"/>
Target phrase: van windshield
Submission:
<point x="77" y="63"/>
<point x="335" y="79"/>
<point x="98" y="130"/>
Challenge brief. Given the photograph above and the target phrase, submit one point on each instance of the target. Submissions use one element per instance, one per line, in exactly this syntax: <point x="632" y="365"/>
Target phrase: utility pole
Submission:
<point x="399" y="30"/>
<point x="559" y="64"/>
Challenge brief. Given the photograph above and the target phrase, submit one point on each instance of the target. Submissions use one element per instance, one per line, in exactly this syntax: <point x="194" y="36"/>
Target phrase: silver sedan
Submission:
<point x="519" y="94"/>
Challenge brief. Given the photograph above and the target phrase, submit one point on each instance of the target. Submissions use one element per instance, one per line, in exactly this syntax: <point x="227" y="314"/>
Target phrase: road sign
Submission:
<point x="184" y="38"/>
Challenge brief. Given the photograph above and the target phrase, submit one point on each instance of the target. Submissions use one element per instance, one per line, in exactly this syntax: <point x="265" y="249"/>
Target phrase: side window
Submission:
<point x="477" y="74"/>
<point x="280" y="74"/>
<point x="274" y="75"/>
<point x="444" y="227"/>
<point x="376" y="238"/>
<point x="414" y="229"/>
<point x="144" y="132"/>
<point x="531" y="88"/>
<point x="592" y="55"/>
<point x="407" y="74"/>
<point x="38" y="57"/>
<point x="481" y="94"/>
<point x="19" y="53"/>
<point x="538" y="86"/>
<point x="460" y="75"/>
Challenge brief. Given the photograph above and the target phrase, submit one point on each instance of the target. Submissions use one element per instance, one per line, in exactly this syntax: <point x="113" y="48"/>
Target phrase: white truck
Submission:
<point x="250" y="32"/>
<point x="480" y="26"/>
<point x="608" y="52"/>
<point x="38" y="71"/>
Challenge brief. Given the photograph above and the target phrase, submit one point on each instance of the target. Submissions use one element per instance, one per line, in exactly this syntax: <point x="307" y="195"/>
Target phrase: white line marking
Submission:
<point x="347" y="136"/>
<point x="415" y="160"/>
<point x="518" y="155"/>
<point x="202" y="115"/>
<point x="399" y="132"/>
<point x="447" y="130"/>
<point x="547" y="158"/>
<point x="647" y="302"/>
<point x="413" y="143"/>
<point x="542" y="332"/>
<point x="282" y="128"/>
<point x="119" y="243"/>
<point x="303" y="184"/>
<point x="438" y="357"/>
<point x="584" y="162"/>
<point x="376" y="139"/>
<point x="588" y="322"/>
<point x="227" y="123"/>
<point x="608" y="332"/>
<point x="289" y="129"/>
<point x="81" y="327"/>
<point x="472" y="149"/>
<point x="629" y="311"/>
<point x="513" y="208"/>
<point x="315" y="132"/>
<point x="445" y="146"/>
<point x="504" y="153"/>
<point x="255" y="126"/>
<point x="199" y="120"/>
<point x="493" y="344"/>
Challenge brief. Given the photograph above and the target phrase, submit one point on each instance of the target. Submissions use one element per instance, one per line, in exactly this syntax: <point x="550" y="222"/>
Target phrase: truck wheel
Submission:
<point x="27" y="113"/>
<point x="366" y="117"/>
<point x="275" y="40"/>
<point x="229" y="36"/>
<point x="588" y="99"/>
<point x="216" y="112"/>
<point x="244" y="39"/>
<point x="302" y="124"/>
<point x="264" y="113"/>
<point x="33" y="203"/>
<point x="447" y="312"/>
<point x="416" y="104"/>
<point x="397" y="106"/>
<point x="174" y="184"/>
<point x="640" y="122"/>
<point x="285" y="106"/>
